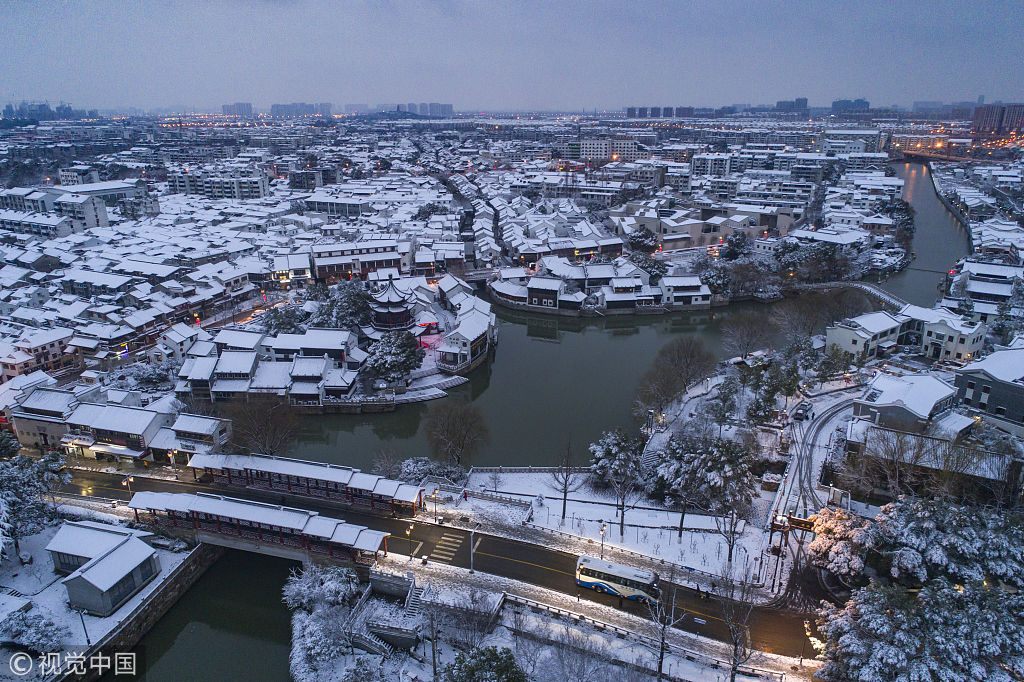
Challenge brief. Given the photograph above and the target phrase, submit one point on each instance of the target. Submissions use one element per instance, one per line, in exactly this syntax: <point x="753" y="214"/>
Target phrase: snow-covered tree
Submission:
<point x="652" y="266"/>
<point x="317" y="585"/>
<point x="24" y="482"/>
<point x="615" y="463"/>
<point x="642" y="240"/>
<point x="947" y="631"/>
<point x="840" y="543"/>
<point x="393" y="357"/>
<point x="145" y="374"/>
<point x="283" y="319"/>
<point x="488" y="664"/>
<point x="717" y="277"/>
<point x="346" y="307"/>
<point x="9" y="445"/>
<point x="34" y="630"/>
<point x="714" y="474"/>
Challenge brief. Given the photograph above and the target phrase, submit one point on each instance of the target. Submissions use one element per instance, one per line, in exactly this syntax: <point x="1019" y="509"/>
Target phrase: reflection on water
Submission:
<point x="552" y="379"/>
<point x="231" y="625"/>
<point x="939" y="239"/>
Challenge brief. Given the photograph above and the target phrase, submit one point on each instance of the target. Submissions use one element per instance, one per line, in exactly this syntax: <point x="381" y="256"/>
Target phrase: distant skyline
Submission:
<point x="565" y="56"/>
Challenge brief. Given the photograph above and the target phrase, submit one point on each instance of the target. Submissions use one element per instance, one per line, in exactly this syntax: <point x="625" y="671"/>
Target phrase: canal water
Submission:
<point x="939" y="239"/>
<point x="231" y="625"/>
<point x="552" y="379"/>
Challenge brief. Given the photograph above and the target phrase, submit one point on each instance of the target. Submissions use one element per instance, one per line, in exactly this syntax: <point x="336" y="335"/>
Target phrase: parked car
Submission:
<point x="802" y="411"/>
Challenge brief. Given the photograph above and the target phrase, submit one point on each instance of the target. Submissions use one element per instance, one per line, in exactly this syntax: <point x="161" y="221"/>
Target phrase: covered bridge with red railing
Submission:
<point x="312" y="479"/>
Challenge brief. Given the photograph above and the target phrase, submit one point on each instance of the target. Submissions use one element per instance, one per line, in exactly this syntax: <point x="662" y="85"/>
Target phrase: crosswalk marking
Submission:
<point x="446" y="548"/>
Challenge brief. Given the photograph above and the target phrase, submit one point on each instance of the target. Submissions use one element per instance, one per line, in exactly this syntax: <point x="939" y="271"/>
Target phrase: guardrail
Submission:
<point x="629" y="552"/>
<point x="644" y="640"/>
<point x="525" y="470"/>
<point x="505" y="499"/>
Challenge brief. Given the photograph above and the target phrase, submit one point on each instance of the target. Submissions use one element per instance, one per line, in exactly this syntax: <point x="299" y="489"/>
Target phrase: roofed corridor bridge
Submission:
<point x="275" y="530"/>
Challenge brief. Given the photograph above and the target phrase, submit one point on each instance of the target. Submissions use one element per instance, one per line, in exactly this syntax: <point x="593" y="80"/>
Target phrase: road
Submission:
<point x="771" y="630"/>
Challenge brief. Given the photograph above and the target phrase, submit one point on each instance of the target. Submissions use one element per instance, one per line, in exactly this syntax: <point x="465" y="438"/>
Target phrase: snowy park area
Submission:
<point x="515" y="502"/>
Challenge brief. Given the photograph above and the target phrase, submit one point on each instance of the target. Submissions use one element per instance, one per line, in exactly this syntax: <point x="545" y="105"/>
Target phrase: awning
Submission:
<point x="76" y="439"/>
<point x="117" y="450"/>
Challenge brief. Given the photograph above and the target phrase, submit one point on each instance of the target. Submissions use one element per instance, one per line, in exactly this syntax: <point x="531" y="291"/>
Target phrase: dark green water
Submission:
<point x="231" y="625"/>
<point x="939" y="239"/>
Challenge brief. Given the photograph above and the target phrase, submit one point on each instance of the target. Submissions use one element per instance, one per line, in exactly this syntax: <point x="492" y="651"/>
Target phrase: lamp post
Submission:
<point x="472" y="534"/>
<point x="436" y="492"/>
<point x="604" y="527"/>
<point x="408" y="536"/>
<point x="84" y="629"/>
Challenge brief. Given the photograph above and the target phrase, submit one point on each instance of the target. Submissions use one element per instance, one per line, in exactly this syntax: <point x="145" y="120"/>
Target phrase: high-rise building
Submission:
<point x="655" y="112"/>
<point x="323" y="109"/>
<point x="843" y="105"/>
<point x="243" y="109"/>
<point x="630" y="112"/>
<point x="800" y="103"/>
<point x="294" y="109"/>
<point x="988" y="119"/>
<point x="435" y="109"/>
<point x="666" y="112"/>
<point x="424" y="109"/>
<point x="641" y="112"/>
<point x="684" y="112"/>
<point x="1013" y="118"/>
<point x="412" y="108"/>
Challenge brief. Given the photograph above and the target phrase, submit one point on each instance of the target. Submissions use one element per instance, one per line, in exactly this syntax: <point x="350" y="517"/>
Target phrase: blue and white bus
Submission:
<point x="622" y="581"/>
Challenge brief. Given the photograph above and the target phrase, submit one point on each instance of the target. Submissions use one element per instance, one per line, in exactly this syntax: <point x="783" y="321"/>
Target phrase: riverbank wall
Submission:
<point x="128" y="633"/>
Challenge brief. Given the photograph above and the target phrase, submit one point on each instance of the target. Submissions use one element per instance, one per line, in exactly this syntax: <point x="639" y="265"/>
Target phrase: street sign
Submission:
<point x="800" y="524"/>
<point x="700" y="621"/>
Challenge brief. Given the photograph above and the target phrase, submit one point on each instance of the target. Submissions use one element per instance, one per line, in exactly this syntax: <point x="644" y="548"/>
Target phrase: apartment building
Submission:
<point x="219" y="184"/>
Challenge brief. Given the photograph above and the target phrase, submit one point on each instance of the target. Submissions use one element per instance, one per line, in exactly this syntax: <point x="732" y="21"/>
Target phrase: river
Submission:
<point x="553" y="379"/>
<point x="939" y="239"/>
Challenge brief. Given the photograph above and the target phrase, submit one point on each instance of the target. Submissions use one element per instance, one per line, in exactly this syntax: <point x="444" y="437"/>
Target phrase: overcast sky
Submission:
<point x="554" y="54"/>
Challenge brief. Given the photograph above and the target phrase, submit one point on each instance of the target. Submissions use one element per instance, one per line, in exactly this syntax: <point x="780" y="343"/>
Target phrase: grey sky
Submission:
<point x="509" y="55"/>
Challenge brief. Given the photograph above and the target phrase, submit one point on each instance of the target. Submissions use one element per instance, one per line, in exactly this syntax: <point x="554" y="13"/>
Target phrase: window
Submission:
<point x="986" y="389"/>
<point x="1000" y="410"/>
<point x="970" y="385"/>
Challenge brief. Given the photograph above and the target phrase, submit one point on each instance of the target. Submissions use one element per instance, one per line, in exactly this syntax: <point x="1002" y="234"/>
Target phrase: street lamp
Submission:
<point x="604" y="527"/>
<point x="127" y="482"/>
<point x="408" y="536"/>
<point x="472" y="534"/>
<point x="436" y="492"/>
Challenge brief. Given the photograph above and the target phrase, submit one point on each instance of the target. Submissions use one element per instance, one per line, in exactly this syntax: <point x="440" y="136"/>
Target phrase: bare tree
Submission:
<point x="736" y="590"/>
<point x="679" y="363"/>
<point x="386" y="462"/>
<point x="495" y="478"/>
<point x="744" y="333"/>
<point x="664" y="616"/>
<point x="470" y="619"/>
<point x="728" y="525"/>
<point x="456" y="430"/>
<point x="528" y="650"/>
<point x="565" y="478"/>
<point x="262" y="424"/>
<point x="577" y="658"/>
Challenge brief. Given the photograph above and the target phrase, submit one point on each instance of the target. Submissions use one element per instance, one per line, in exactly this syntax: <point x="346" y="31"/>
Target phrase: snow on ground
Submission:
<point x="652" y="533"/>
<point x="38" y="582"/>
<point x="450" y="584"/>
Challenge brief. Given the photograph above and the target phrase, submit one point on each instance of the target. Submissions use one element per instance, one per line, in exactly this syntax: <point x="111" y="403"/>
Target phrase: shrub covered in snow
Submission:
<point x="415" y="469"/>
<point x="317" y="585"/>
<point x="34" y="630"/>
<point x="145" y="375"/>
